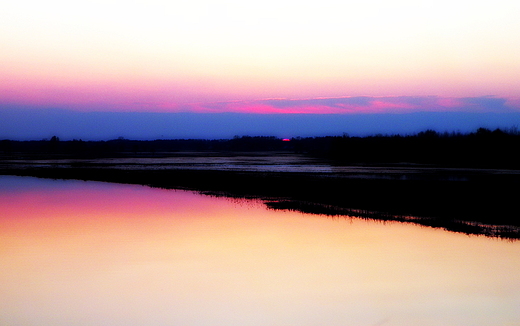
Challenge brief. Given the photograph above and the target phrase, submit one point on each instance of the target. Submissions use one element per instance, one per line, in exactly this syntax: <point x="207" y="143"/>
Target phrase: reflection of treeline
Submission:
<point x="482" y="148"/>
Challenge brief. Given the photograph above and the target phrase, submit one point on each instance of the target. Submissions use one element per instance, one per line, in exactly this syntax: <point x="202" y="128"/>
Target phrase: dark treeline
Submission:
<point x="483" y="148"/>
<point x="438" y="197"/>
<point x="126" y="147"/>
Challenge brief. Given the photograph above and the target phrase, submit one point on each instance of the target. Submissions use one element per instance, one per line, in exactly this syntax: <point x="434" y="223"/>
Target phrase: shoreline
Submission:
<point x="475" y="202"/>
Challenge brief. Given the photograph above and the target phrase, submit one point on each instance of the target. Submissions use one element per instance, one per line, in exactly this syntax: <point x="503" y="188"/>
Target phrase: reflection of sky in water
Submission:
<point x="86" y="253"/>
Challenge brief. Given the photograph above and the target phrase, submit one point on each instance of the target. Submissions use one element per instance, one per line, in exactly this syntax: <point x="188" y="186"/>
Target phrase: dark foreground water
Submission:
<point x="90" y="253"/>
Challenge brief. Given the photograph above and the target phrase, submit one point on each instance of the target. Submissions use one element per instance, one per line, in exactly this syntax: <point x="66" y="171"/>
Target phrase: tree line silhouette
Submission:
<point x="440" y="197"/>
<point x="482" y="148"/>
<point x="125" y="147"/>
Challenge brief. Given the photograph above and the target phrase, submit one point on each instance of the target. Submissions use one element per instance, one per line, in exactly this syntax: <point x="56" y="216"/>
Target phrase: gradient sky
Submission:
<point x="263" y="57"/>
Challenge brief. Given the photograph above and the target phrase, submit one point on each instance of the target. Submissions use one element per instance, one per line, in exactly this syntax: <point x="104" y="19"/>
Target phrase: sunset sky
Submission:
<point x="260" y="57"/>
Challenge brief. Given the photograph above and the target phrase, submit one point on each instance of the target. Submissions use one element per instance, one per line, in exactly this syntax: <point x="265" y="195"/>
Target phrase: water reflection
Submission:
<point x="86" y="253"/>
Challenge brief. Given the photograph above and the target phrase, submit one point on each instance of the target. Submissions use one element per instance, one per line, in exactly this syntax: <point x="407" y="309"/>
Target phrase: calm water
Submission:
<point x="87" y="253"/>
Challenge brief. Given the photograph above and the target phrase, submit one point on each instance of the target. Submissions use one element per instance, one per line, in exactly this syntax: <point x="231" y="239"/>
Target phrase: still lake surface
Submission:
<point x="92" y="253"/>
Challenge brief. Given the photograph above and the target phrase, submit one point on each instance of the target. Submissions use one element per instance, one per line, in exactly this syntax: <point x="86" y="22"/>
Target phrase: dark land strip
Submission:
<point x="471" y="201"/>
<point x="461" y="182"/>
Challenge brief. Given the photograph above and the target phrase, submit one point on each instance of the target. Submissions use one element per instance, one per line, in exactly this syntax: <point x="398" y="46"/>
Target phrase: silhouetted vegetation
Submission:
<point x="132" y="148"/>
<point x="483" y="148"/>
<point x="483" y="204"/>
<point x="477" y="201"/>
<point x="454" y="225"/>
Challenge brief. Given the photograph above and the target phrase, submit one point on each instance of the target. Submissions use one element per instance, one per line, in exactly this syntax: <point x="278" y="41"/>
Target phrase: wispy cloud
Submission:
<point x="352" y="105"/>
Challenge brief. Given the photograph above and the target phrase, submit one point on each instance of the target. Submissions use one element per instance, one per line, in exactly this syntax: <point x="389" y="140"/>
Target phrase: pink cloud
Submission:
<point x="353" y="105"/>
<point x="125" y="100"/>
